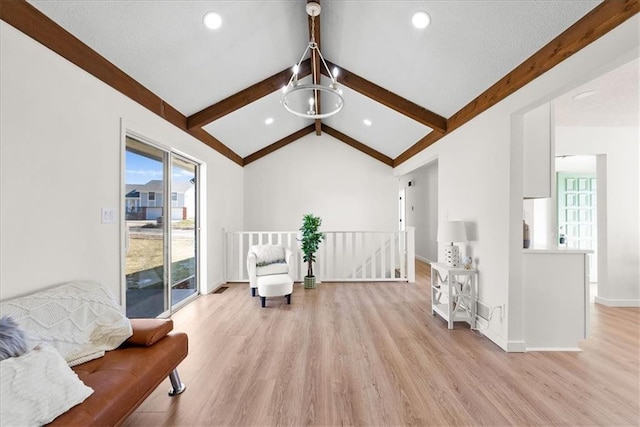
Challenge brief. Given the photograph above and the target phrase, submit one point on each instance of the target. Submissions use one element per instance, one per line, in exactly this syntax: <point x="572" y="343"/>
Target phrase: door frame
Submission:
<point x="126" y="131"/>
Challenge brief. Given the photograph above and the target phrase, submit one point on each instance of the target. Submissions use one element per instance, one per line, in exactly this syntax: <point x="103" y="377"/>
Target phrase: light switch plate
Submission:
<point x="108" y="215"/>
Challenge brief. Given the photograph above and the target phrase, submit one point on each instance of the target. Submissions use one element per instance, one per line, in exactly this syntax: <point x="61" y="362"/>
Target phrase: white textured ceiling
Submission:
<point x="615" y="100"/>
<point x="469" y="45"/>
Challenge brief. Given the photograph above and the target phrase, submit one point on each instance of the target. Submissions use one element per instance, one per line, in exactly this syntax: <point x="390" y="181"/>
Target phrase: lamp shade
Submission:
<point x="452" y="231"/>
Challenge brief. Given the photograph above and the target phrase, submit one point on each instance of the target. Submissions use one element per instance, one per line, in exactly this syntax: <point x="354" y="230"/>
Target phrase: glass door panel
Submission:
<point x="145" y="272"/>
<point x="577" y="213"/>
<point x="183" y="230"/>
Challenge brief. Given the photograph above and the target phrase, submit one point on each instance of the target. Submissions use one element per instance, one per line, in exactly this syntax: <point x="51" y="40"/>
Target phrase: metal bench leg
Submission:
<point x="177" y="386"/>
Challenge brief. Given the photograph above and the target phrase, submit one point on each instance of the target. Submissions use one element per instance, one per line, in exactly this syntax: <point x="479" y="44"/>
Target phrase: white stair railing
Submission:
<point x="345" y="256"/>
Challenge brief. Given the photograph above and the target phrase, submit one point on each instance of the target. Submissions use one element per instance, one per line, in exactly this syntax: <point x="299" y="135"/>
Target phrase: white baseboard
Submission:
<point x="516" y="346"/>
<point x="617" y="302"/>
<point x="554" y="349"/>
<point x="213" y="287"/>
<point x="428" y="261"/>
<point x="500" y="341"/>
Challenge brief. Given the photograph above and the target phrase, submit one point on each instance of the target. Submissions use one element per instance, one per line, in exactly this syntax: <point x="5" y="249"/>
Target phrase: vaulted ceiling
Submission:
<point x="413" y="85"/>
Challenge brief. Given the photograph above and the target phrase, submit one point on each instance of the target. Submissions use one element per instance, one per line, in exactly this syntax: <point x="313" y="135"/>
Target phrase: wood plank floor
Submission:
<point x="372" y="354"/>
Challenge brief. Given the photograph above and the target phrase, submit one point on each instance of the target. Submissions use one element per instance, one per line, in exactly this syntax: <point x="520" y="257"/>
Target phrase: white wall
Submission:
<point x="60" y="147"/>
<point x="321" y="175"/>
<point x="618" y="270"/>
<point x="422" y="209"/>
<point x="480" y="176"/>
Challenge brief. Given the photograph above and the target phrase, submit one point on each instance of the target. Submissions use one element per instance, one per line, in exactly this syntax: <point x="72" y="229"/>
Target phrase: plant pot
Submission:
<point x="309" y="282"/>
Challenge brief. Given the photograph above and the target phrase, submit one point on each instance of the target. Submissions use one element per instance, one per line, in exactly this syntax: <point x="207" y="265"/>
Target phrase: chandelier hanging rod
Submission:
<point x="294" y="87"/>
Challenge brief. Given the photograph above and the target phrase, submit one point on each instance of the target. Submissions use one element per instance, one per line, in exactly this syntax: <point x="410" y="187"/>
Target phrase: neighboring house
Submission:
<point x="146" y="201"/>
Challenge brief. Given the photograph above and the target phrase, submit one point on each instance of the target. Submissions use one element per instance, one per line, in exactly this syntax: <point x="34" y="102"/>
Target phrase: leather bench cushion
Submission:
<point x="147" y="331"/>
<point x="122" y="379"/>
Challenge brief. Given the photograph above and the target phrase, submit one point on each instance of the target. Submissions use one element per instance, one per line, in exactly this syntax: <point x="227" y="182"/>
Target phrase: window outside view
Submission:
<point x="149" y="237"/>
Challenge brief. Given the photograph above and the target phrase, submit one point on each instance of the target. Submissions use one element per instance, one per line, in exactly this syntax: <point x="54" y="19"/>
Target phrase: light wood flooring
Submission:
<point x="372" y="354"/>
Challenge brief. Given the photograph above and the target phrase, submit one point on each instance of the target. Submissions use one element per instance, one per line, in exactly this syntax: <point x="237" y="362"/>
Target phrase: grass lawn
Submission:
<point x="146" y="252"/>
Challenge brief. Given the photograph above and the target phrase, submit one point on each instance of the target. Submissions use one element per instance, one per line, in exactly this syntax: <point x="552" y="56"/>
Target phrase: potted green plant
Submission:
<point x="309" y="243"/>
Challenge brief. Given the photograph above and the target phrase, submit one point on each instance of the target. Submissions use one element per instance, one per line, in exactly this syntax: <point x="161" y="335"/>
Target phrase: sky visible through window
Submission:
<point x="142" y="169"/>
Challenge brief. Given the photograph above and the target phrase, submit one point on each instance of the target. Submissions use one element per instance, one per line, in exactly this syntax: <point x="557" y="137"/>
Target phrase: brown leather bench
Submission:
<point x="125" y="377"/>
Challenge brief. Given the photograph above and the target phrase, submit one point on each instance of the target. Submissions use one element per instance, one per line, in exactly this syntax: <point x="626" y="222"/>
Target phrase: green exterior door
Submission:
<point x="577" y="219"/>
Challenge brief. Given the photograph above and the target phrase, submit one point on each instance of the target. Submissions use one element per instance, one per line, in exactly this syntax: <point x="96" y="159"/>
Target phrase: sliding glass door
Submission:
<point x="183" y="229"/>
<point x="161" y="230"/>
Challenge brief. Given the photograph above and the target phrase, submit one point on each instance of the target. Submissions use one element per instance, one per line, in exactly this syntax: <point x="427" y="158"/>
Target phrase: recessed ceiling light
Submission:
<point x="212" y="20"/>
<point x="367" y="122"/>
<point x="583" y="95"/>
<point x="269" y="121"/>
<point x="421" y="19"/>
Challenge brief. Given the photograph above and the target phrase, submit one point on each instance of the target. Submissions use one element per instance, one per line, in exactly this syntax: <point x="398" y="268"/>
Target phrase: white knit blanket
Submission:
<point x="80" y="319"/>
<point x="37" y="387"/>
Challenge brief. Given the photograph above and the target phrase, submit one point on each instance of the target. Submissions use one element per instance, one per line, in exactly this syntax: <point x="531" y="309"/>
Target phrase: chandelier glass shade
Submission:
<point x="302" y="99"/>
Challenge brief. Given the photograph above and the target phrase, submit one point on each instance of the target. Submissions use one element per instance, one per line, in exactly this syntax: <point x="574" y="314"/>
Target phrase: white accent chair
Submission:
<point x="269" y="268"/>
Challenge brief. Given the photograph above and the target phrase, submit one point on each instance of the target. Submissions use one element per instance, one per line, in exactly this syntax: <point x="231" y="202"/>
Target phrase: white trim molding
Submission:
<point x="617" y="302"/>
<point x="553" y="349"/>
<point x="500" y="341"/>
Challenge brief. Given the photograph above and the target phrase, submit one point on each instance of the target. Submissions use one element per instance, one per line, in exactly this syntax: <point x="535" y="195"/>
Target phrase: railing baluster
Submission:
<point x="352" y="256"/>
<point x="344" y="255"/>
<point x="403" y="255"/>
<point x="373" y="258"/>
<point x="345" y="260"/>
<point x="240" y="256"/>
<point x="383" y="256"/>
<point x="393" y="249"/>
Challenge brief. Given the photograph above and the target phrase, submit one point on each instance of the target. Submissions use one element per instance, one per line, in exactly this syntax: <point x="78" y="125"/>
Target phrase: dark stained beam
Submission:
<point x="598" y="22"/>
<point x="278" y="144"/>
<point x="314" y="33"/>
<point x="390" y="99"/>
<point x="358" y="145"/>
<point x="214" y="143"/>
<point x="33" y="23"/>
<point x="426" y="141"/>
<point x="591" y="27"/>
<point x="246" y="96"/>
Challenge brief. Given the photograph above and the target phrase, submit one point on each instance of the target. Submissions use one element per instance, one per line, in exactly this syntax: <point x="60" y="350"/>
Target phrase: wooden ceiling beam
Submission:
<point x="390" y="99"/>
<point x="314" y="34"/>
<point x="278" y="144"/>
<point x="33" y="23"/>
<point x="358" y="145"/>
<point x="598" y="22"/>
<point x="214" y="143"/>
<point x="246" y="96"/>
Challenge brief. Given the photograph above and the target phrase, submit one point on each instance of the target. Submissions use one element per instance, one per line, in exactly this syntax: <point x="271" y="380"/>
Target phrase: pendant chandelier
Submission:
<point x="303" y="99"/>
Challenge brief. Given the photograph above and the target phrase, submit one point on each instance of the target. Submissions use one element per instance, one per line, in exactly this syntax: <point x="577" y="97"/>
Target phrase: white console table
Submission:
<point x="453" y="293"/>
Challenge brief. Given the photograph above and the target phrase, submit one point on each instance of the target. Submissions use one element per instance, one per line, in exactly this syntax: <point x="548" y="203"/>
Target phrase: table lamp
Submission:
<point x="452" y="231"/>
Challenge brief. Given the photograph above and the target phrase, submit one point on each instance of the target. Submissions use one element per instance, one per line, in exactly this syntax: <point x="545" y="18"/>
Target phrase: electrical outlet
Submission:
<point x="502" y="311"/>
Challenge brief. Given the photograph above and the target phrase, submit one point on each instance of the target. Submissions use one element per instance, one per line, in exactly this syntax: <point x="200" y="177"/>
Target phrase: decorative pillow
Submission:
<point x="268" y="254"/>
<point x="37" y="387"/>
<point x="12" y="340"/>
<point x="80" y="319"/>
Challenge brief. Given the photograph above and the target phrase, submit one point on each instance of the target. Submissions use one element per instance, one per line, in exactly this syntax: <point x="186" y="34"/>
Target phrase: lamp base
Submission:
<point x="452" y="255"/>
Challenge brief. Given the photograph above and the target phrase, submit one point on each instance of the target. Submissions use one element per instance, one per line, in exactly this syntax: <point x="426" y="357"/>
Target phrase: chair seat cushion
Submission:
<point x="275" y="285"/>
<point x="267" y="270"/>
